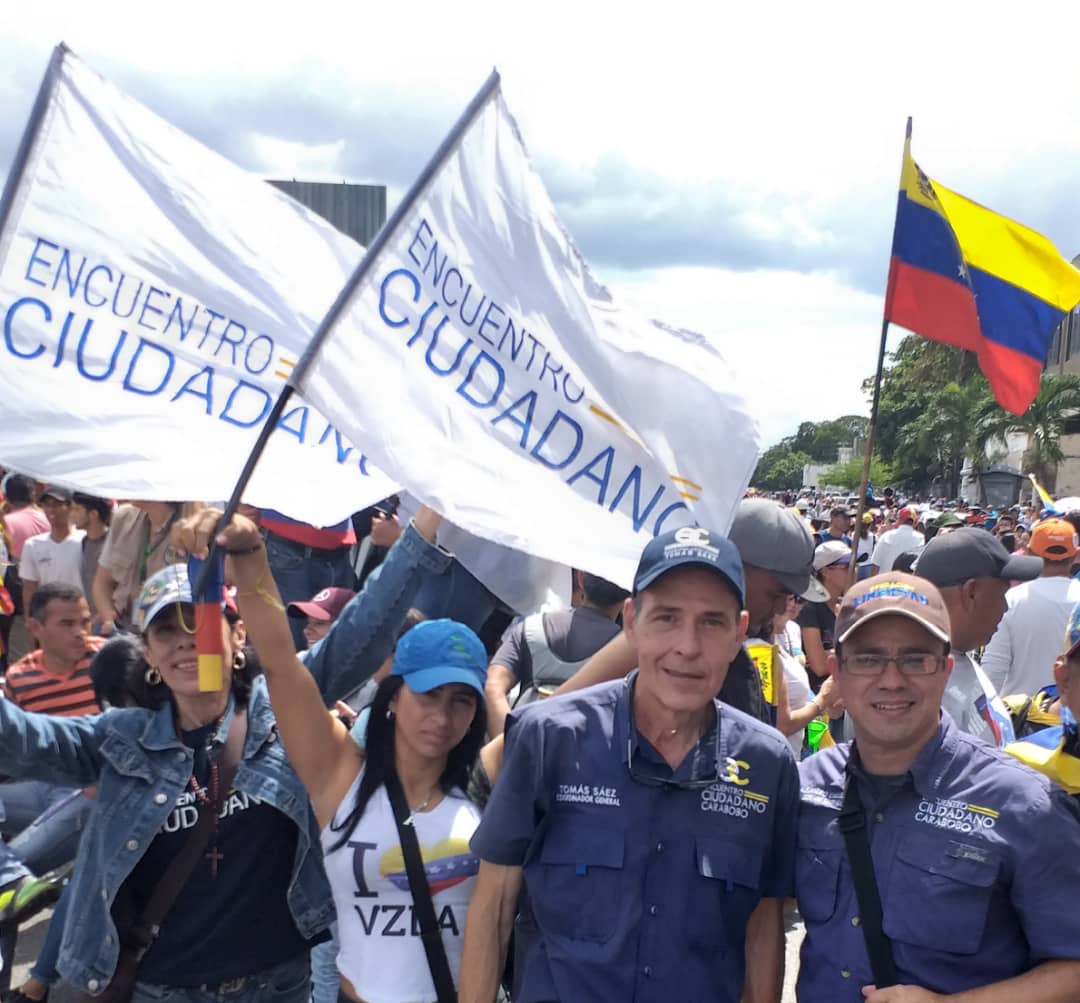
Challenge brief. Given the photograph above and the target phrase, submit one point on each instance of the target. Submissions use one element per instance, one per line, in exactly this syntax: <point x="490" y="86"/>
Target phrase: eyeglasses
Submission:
<point x="717" y="775"/>
<point x="912" y="663"/>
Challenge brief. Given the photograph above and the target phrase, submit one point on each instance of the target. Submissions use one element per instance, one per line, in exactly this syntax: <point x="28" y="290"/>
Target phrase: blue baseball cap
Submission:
<point x="437" y="652"/>
<point x="690" y="545"/>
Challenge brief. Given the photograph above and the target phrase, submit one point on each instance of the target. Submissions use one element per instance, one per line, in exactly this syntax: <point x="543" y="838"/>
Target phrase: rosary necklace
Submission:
<point x="213" y="854"/>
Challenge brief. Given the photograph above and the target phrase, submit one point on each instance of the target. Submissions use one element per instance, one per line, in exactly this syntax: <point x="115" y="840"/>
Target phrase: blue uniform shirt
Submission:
<point x="635" y="891"/>
<point x="975" y="858"/>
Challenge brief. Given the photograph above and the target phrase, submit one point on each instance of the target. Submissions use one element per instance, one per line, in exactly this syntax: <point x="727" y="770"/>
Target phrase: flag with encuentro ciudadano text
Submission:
<point x="154" y="298"/>
<point x="486" y="369"/>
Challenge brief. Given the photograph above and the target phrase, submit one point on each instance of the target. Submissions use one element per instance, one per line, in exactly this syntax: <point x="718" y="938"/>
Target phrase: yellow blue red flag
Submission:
<point x="966" y="276"/>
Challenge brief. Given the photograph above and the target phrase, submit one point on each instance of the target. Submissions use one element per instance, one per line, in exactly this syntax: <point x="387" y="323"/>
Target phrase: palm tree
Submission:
<point x="1043" y="423"/>
<point x="946" y="432"/>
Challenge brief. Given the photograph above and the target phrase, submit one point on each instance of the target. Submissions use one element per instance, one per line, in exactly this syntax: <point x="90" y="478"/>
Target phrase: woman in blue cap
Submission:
<point x="426" y="728"/>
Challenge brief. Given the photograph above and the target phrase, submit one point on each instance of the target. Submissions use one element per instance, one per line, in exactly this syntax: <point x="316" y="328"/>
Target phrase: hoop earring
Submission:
<point x="389" y="714"/>
<point x="239" y="661"/>
<point x="152" y="676"/>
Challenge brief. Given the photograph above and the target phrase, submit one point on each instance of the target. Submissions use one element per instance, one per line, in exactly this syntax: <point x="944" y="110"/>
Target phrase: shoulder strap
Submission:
<point x="145" y="930"/>
<point x="421" y="894"/>
<point x="852" y="823"/>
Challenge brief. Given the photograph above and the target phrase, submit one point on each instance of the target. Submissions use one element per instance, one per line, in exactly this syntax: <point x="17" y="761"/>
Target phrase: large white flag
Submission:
<point x="527" y="405"/>
<point x="154" y="299"/>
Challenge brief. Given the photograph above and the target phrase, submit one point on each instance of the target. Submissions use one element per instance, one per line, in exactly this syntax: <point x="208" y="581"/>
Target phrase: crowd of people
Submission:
<point x="404" y="791"/>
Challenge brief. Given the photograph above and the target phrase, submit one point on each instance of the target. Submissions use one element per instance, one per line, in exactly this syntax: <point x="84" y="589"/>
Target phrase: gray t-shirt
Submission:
<point x="571" y="634"/>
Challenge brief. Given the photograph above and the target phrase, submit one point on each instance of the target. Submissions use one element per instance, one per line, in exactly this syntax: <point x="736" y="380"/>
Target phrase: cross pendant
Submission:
<point x="214" y="855"/>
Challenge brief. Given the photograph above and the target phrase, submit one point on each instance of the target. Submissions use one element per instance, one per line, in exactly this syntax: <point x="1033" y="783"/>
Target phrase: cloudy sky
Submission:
<point x="731" y="170"/>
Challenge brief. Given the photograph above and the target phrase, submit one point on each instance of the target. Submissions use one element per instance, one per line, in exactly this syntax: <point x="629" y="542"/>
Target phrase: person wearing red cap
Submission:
<point x="320" y="611"/>
<point x="895" y="542"/>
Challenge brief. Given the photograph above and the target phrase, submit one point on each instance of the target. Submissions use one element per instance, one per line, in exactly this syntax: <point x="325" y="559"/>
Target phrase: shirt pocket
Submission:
<point x="581" y="877"/>
<point x="939" y="891"/>
<point x="727" y="889"/>
<point x="817" y="878"/>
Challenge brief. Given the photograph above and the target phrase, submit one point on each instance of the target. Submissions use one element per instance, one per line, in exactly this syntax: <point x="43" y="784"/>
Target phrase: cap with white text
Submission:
<point x="690" y="545"/>
<point x="893" y="594"/>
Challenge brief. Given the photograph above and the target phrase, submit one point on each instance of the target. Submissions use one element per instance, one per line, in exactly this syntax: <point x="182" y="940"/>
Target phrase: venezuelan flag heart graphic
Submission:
<point x="446" y="864"/>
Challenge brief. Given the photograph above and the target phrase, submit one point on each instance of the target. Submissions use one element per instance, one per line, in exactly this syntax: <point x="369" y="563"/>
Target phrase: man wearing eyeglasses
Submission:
<point x="965" y="845"/>
<point x="653" y="826"/>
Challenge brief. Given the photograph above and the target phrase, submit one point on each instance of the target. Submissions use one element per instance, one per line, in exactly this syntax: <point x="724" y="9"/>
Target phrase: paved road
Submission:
<point x="32" y="935"/>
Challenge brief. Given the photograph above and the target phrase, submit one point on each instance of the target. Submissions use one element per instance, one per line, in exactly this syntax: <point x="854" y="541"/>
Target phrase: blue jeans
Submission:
<point x="299" y="575"/>
<point x="44" y="969"/>
<point x="288" y="982"/>
<point x="52" y="839"/>
<point x="325" y="980"/>
<point x="22" y="801"/>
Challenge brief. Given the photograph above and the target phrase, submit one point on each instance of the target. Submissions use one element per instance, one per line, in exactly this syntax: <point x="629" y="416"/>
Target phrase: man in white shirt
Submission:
<point x="55" y="556"/>
<point x="1020" y="655"/>
<point x="972" y="570"/>
<point x="894" y="542"/>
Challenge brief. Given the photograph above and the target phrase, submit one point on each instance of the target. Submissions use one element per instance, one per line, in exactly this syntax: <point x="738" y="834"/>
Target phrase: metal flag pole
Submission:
<point x="869" y="452"/>
<point x="367" y="263"/>
<point x="30" y="134"/>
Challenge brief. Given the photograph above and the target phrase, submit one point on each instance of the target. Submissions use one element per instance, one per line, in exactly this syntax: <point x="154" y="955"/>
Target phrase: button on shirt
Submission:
<point x="633" y="889"/>
<point x="973" y="856"/>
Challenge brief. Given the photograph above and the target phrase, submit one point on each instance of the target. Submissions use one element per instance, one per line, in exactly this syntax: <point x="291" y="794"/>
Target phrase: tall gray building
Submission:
<point x="356" y="210"/>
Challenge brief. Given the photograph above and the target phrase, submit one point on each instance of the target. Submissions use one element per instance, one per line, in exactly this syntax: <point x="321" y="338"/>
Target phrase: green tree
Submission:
<point x="1043" y="423"/>
<point x="946" y="433"/>
<point x="780" y="469"/>
<point x="849" y="475"/>
<point x="919" y="370"/>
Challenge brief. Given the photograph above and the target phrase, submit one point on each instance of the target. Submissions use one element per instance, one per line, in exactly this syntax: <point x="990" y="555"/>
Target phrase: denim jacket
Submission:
<point x="140" y="767"/>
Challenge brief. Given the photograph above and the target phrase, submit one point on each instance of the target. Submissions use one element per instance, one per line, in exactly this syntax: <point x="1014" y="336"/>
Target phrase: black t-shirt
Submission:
<point x="238" y="922"/>
<point x="821" y="616"/>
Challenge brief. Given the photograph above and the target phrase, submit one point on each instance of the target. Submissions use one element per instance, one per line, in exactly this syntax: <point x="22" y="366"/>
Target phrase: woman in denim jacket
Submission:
<point x="152" y="767"/>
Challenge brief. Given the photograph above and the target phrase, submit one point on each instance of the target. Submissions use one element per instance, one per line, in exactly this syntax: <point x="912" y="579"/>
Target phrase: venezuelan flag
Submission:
<point x="1047" y="752"/>
<point x="1044" y="496"/>
<point x="209" y="646"/>
<point x="963" y="275"/>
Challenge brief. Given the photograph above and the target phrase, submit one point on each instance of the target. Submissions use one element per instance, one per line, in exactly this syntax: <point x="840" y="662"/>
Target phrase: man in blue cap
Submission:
<point x="652" y="825"/>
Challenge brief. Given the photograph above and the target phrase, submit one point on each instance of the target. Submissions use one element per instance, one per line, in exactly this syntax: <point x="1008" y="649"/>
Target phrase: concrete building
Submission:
<point x="1064" y="357"/>
<point x="356" y="210"/>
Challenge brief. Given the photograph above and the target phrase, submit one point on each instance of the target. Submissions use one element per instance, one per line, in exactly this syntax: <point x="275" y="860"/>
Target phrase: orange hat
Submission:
<point x="1054" y="539"/>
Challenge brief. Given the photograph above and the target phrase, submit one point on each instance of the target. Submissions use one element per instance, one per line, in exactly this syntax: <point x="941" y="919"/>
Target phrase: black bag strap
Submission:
<point x="421" y="894"/>
<point x="852" y="823"/>
<point x="144" y="931"/>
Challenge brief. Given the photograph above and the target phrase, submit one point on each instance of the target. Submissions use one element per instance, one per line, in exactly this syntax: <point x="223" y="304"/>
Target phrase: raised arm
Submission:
<point x="364" y="635"/>
<point x="58" y="750"/>
<point x="324" y="756"/>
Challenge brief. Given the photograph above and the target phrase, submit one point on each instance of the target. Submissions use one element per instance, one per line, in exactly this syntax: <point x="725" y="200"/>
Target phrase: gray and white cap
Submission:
<point x="777" y="540"/>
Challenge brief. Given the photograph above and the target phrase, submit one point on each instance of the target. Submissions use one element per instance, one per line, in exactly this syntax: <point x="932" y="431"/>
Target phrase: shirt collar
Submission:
<point x="930" y="764"/>
<point x="625" y="729"/>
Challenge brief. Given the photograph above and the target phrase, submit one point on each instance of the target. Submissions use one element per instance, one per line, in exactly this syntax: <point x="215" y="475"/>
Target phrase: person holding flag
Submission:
<point x="202" y="777"/>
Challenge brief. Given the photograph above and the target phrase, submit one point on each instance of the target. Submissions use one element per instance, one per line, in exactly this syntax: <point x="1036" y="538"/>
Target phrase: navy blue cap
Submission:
<point x="690" y="545"/>
<point x="437" y="652"/>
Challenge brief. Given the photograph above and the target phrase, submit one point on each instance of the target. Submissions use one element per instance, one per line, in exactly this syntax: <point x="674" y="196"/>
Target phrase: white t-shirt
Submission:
<point x="381" y="952"/>
<point x="894" y="542"/>
<point x="974" y="705"/>
<point x="798" y="692"/>
<point x="45" y="561"/>
<point x="1020" y="655"/>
